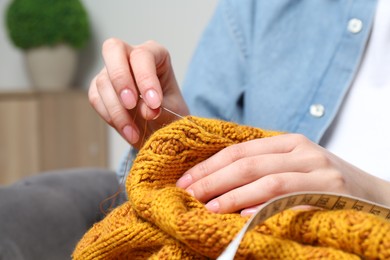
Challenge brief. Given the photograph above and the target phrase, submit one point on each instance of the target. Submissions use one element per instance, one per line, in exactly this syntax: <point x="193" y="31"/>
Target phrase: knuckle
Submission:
<point x="137" y="52"/>
<point x="152" y="49"/>
<point x="203" y="168"/>
<point x="110" y="44"/>
<point x="320" y="159"/>
<point x="101" y="80"/>
<point x="248" y="168"/>
<point x="118" y="117"/>
<point x="116" y="114"/>
<point x="156" y="45"/>
<point x="117" y="76"/>
<point x="93" y="98"/>
<point x="144" y="79"/>
<point x="206" y="187"/>
<point x="232" y="199"/>
<point x="336" y="181"/>
<point x="151" y="42"/>
<point x="274" y="184"/>
<point x="236" y="152"/>
<point x="299" y="138"/>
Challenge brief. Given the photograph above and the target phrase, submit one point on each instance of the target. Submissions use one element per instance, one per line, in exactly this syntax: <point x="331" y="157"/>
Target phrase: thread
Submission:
<point x="113" y="198"/>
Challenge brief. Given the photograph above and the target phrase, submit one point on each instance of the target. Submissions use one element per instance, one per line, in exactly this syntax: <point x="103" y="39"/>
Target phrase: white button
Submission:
<point x="317" y="110"/>
<point x="355" y="25"/>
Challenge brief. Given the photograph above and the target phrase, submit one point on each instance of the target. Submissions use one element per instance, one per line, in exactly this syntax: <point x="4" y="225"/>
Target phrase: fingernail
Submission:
<point x="213" y="206"/>
<point x="128" y="98"/>
<point x="248" y="212"/>
<point x="130" y="134"/>
<point x="191" y="192"/>
<point x="184" y="181"/>
<point x="303" y="207"/>
<point x="152" y="99"/>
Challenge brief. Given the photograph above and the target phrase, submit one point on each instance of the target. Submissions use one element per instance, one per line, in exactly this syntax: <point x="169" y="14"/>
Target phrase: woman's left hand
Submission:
<point x="245" y="175"/>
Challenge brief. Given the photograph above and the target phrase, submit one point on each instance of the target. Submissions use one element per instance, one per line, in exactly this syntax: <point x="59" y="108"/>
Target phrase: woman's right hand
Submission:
<point x="132" y="72"/>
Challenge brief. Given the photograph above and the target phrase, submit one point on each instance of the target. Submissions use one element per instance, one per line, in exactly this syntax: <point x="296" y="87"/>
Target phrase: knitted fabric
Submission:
<point x="161" y="221"/>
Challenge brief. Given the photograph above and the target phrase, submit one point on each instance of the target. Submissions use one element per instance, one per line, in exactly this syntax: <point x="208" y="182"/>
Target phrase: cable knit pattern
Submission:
<point x="161" y="221"/>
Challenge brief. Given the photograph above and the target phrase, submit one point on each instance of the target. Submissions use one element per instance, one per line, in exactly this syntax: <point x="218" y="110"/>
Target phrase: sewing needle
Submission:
<point x="173" y="113"/>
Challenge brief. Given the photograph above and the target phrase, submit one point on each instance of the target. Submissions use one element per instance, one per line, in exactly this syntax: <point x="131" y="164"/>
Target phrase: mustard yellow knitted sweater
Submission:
<point x="161" y="221"/>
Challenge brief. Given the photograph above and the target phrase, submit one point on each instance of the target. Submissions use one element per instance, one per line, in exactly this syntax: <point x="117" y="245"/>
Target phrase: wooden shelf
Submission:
<point x="42" y="131"/>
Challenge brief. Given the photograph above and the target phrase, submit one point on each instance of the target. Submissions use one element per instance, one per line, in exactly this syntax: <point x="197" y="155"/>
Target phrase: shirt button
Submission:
<point x="355" y="25"/>
<point x="317" y="110"/>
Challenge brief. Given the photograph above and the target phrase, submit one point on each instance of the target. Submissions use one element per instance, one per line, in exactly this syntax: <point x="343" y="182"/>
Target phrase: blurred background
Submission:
<point x="46" y="125"/>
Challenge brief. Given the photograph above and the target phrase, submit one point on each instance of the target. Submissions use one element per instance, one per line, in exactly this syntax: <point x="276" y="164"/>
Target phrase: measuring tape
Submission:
<point x="330" y="201"/>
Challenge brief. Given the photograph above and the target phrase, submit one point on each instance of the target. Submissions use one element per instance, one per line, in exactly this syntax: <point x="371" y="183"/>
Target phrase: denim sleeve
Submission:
<point x="125" y="164"/>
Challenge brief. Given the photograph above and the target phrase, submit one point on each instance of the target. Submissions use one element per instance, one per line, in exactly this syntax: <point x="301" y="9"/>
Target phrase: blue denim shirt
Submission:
<point x="281" y="64"/>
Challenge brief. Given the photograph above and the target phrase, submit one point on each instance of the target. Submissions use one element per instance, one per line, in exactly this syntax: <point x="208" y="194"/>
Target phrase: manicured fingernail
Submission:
<point x="128" y="98"/>
<point x="248" y="212"/>
<point x="303" y="207"/>
<point x="191" y="192"/>
<point x="130" y="134"/>
<point x="184" y="181"/>
<point x="213" y="206"/>
<point x="152" y="99"/>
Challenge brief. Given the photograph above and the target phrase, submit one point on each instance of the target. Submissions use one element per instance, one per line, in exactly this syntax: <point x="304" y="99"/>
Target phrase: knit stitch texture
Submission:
<point x="161" y="221"/>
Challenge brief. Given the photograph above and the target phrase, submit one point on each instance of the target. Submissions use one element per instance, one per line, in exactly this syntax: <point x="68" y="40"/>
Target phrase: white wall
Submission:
<point x="176" y="24"/>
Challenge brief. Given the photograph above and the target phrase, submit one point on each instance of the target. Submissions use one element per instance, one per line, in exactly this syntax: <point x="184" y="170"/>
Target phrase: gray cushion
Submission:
<point x="44" y="216"/>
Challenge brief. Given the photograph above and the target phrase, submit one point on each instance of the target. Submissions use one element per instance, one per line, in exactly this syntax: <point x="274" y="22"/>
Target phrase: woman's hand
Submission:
<point x="132" y="72"/>
<point x="245" y="175"/>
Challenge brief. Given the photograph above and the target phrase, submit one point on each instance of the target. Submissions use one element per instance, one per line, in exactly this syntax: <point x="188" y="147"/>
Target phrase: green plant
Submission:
<point x="33" y="23"/>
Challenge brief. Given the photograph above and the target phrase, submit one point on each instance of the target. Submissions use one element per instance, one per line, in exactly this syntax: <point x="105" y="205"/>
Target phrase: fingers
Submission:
<point x="97" y="102"/>
<point x="145" y="60"/>
<point x="240" y="173"/>
<point x="268" y="187"/>
<point x="117" y="115"/>
<point x="235" y="153"/>
<point x="254" y="193"/>
<point x="253" y="172"/>
<point x="115" y="54"/>
<point x="133" y="71"/>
